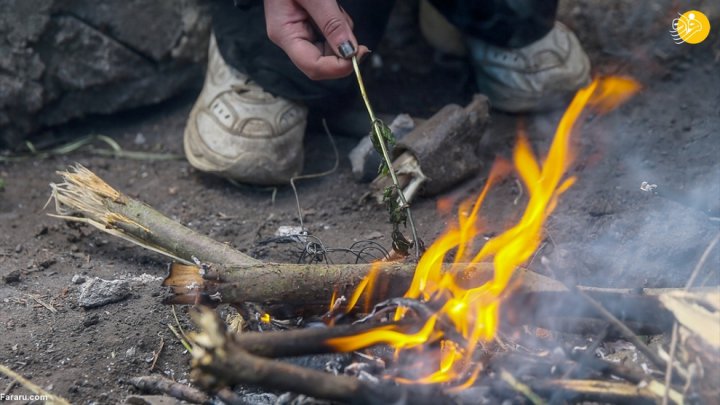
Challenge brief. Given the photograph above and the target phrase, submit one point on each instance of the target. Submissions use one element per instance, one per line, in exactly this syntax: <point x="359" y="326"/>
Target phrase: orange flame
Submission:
<point x="474" y="312"/>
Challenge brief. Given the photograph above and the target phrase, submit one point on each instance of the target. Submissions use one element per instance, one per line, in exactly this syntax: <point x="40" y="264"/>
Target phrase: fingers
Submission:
<point x="291" y="25"/>
<point x="316" y="65"/>
<point x="334" y="24"/>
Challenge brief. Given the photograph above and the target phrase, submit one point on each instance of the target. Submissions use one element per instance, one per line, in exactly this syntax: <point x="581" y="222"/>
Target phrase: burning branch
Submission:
<point x="221" y="359"/>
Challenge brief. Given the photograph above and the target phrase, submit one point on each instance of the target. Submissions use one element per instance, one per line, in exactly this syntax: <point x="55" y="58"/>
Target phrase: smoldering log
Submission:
<point x="219" y="360"/>
<point x="304" y="289"/>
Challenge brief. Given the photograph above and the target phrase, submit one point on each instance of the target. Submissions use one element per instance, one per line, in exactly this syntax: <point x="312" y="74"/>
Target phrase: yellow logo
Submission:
<point x="691" y="27"/>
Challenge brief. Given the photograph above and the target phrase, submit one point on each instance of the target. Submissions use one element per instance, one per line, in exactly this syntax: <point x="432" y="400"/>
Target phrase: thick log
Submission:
<point x="303" y="289"/>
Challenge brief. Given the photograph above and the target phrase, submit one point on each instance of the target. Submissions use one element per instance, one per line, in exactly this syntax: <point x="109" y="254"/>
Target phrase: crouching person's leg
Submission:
<point x="523" y="59"/>
<point x="249" y="121"/>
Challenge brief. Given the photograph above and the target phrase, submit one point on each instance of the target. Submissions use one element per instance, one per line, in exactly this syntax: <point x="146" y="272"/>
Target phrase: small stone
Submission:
<point x="42" y="230"/>
<point x="18" y="248"/>
<point x="373" y="235"/>
<point x="47" y="263"/>
<point x="139" y="139"/>
<point x="12" y="277"/>
<point x="91" y="320"/>
<point x="98" y="292"/>
<point x="78" y="279"/>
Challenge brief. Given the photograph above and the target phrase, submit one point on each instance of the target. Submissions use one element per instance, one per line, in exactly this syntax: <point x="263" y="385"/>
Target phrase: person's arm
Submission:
<point x="293" y="25"/>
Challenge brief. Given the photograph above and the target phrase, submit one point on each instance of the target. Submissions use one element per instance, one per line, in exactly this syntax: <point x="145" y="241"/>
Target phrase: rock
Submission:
<point x="78" y="279"/>
<point x="12" y="277"/>
<point x="365" y="160"/>
<point x="291" y="233"/>
<point x="98" y="292"/>
<point x="63" y="59"/>
<point x="91" y="320"/>
<point x="47" y="263"/>
<point x="373" y="235"/>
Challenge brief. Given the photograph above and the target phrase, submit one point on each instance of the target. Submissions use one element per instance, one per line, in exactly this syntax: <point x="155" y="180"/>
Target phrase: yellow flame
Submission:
<point x="475" y="312"/>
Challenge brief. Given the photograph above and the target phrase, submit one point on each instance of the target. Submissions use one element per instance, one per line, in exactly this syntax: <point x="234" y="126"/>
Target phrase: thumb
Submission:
<point x="334" y="24"/>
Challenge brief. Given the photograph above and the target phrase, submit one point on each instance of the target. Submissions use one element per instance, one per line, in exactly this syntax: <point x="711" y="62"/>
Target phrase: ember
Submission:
<point x="473" y="311"/>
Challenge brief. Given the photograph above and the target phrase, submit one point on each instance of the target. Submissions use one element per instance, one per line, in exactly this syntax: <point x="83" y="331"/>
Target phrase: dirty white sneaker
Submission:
<point x="239" y="131"/>
<point x="536" y="77"/>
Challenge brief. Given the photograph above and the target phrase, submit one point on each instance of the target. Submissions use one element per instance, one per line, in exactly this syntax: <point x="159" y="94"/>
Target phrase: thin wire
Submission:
<point x="315" y="175"/>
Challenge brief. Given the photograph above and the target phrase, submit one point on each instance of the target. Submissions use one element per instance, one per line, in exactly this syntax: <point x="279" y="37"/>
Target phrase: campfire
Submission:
<point x="471" y="311"/>
<point x="425" y="332"/>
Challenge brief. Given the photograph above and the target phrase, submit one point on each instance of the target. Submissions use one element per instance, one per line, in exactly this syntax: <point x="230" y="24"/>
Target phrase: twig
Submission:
<point x="521" y="388"/>
<point x="156" y="384"/>
<point x="674" y="337"/>
<point x="180" y="338"/>
<point x="701" y="262"/>
<point x="386" y="156"/>
<point x="218" y="361"/>
<point x="44" y="304"/>
<point x="84" y="197"/>
<point x="34" y="388"/>
<point x="177" y="321"/>
<point x="622" y="328"/>
<point x="9" y="388"/>
<point x="115" y="151"/>
<point x="156" y="355"/>
<point x="669" y="368"/>
<point x="301" y="342"/>
<point x="601" y="391"/>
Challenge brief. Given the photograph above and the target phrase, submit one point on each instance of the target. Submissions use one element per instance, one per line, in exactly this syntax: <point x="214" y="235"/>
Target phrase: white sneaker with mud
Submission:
<point x="239" y="131"/>
<point x="536" y="77"/>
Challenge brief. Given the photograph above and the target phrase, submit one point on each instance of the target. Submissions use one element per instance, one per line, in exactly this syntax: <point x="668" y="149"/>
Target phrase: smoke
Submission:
<point x="606" y="230"/>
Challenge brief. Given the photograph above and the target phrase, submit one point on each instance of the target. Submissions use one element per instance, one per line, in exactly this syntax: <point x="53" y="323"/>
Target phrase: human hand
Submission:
<point x="293" y="25"/>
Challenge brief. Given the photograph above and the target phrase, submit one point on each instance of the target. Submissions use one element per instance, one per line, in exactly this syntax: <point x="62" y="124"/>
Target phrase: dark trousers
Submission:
<point x="239" y="27"/>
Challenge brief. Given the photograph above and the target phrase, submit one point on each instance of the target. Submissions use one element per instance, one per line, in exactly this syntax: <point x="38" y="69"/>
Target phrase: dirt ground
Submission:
<point x="605" y="231"/>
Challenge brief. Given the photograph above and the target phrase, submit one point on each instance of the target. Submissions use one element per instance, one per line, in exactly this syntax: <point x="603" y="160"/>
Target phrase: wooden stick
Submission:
<point x="85" y="197"/>
<point x="597" y="391"/>
<point x="626" y="332"/>
<point x="301" y="342"/>
<point x="219" y="361"/>
<point x="302" y="289"/>
<point x="157" y="384"/>
<point x="50" y="398"/>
